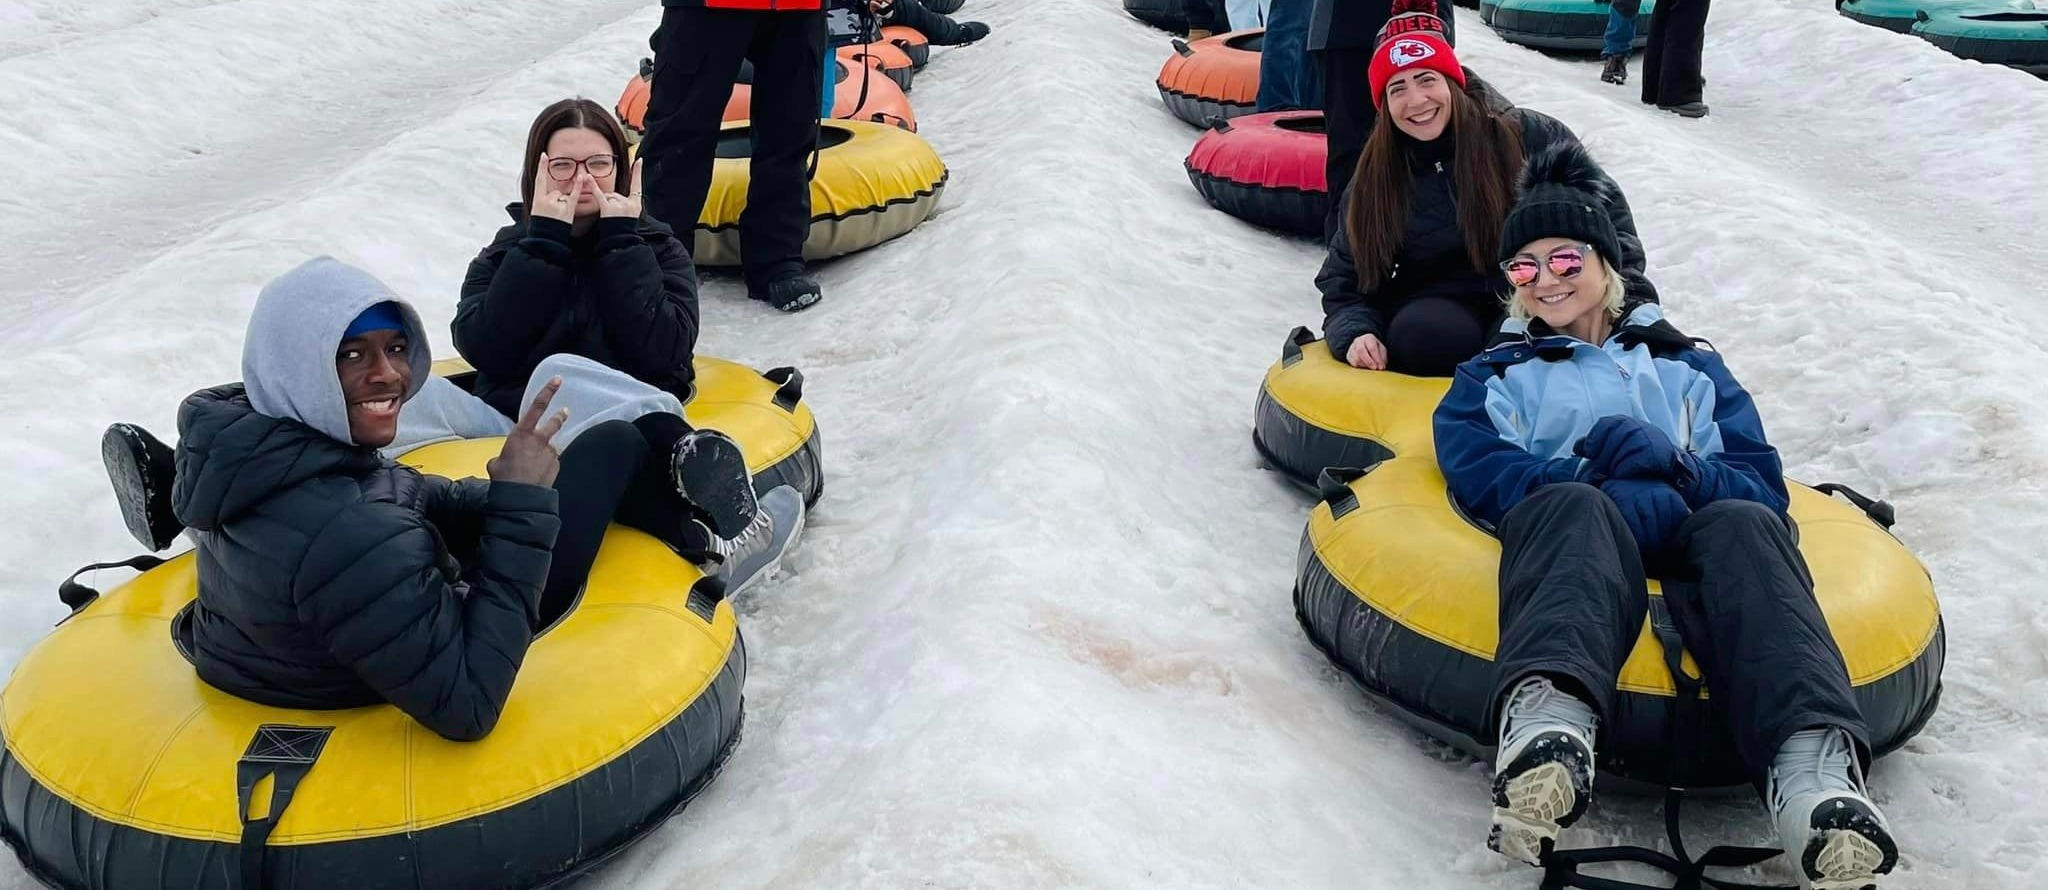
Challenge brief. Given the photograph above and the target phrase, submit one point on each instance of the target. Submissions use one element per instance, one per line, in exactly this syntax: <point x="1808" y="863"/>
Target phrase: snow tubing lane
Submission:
<point x="121" y="766"/>
<point x="1215" y="77"/>
<point x="912" y="42"/>
<point x="1558" y="24"/>
<point x="874" y="183"/>
<point x="2016" y="38"/>
<point x="885" y="57"/>
<point x="1266" y="169"/>
<point x="1166" y="15"/>
<point x="1400" y="591"/>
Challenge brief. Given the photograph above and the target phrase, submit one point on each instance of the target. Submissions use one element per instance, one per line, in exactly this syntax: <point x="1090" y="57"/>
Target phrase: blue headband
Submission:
<point x="384" y="316"/>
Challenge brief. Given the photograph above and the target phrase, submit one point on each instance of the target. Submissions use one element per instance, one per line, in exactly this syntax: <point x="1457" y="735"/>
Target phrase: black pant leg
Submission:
<point x="1429" y="337"/>
<point x="788" y="52"/>
<point x="1572" y="595"/>
<point x="596" y="468"/>
<point x="1743" y="601"/>
<point x="696" y="59"/>
<point x="1671" y="57"/>
<point x="1348" y="118"/>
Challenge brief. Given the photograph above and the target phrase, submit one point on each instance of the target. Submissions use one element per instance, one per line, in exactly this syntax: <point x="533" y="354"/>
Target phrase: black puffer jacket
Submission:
<point x="625" y="296"/>
<point x="1432" y="260"/>
<point x="326" y="579"/>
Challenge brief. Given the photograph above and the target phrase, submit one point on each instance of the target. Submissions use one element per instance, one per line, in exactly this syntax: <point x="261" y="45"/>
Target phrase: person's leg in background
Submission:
<point x="696" y="58"/>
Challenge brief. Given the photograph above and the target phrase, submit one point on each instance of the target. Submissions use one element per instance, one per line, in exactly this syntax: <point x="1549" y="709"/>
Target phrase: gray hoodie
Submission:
<point x="288" y="356"/>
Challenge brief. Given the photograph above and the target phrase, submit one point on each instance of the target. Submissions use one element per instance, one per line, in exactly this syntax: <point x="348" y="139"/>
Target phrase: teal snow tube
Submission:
<point x="1899" y="15"/>
<point x="2016" y="38"/>
<point x="1557" y="24"/>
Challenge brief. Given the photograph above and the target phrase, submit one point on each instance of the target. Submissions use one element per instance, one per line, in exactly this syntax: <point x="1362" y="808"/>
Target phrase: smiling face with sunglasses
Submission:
<point x="1564" y="282"/>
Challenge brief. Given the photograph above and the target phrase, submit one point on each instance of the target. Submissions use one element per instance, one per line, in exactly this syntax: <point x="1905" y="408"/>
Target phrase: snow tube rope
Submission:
<point x="1398" y="588"/>
<point x="122" y="769"/>
<point x="1266" y="169"/>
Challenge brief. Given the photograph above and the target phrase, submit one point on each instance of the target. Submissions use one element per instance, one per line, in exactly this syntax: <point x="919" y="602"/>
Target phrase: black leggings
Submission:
<point x="1429" y="337"/>
<point x="614" y="470"/>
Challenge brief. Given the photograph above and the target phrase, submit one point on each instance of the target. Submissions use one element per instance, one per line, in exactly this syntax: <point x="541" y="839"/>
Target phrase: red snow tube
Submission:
<point x="1266" y="169"/>
<point x="1213" y="77"/>
<point x="882" y="56"/>
<point x="911" y="41"/>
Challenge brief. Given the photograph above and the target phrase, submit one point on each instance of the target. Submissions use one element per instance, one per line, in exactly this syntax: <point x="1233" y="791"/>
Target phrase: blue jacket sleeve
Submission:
<point x="1739" y="463"/>
<point x="1479" y="448"/>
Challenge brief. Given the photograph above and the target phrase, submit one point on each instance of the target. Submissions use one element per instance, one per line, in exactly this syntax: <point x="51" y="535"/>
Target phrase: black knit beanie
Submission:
<point x="1563" y="194"/>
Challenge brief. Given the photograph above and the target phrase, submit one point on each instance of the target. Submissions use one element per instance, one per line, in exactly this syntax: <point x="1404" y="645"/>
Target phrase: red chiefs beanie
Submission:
<point x="1413" y="37"/>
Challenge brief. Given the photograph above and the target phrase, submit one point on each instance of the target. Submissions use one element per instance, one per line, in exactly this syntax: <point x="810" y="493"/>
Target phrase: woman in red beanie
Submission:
<point x="1410" y="283"/>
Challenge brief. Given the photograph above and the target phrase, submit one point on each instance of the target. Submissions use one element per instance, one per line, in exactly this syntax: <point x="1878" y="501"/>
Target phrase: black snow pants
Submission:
<point x="1431" y="336"/>
<point x="615" y="471"/>
<point x="936" y="27"/>
<point x="697" y="57"/>
<point x="1573" y="600"/>
<point x="1671" y="57"/>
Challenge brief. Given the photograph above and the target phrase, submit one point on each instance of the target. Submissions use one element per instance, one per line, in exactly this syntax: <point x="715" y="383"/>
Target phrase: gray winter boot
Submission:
<point x="1543" y="772"/>
<point x="1829" y="827"/>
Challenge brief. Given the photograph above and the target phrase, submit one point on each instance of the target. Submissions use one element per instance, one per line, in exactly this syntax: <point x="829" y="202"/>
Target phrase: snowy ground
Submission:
<point x="1039" y="634"/>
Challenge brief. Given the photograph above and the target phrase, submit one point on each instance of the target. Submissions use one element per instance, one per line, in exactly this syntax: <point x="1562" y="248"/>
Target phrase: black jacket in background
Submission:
<point x="624" y="295"/>
<point x="1432" y="260"/>
<point x="325" y="578"/>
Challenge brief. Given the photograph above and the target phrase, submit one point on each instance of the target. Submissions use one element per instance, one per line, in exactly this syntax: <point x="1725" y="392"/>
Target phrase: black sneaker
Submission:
<point x="967" y="33"/>
<point x="1689" y="109"/>
<point x="793" y="293"/>
<point x="711" y="472"/>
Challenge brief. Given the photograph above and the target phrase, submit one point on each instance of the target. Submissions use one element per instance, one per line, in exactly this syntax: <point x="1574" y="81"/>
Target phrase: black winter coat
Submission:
<point x="1432" y="260"/>
<point x="624" y="296"/>
<point x="326" y="579"/>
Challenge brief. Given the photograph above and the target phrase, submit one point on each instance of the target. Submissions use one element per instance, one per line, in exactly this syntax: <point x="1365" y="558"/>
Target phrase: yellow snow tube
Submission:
<point x="1400" y="590"/>
<point x="875" y="182"/>
<point x="123" y="769"/>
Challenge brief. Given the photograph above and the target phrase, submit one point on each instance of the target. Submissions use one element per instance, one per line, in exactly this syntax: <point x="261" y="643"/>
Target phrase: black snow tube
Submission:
<point x="1166" y="15"/>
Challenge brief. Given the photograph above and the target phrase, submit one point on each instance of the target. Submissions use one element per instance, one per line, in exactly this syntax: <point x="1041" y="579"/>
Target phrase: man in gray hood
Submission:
<point x="326" y="577"/>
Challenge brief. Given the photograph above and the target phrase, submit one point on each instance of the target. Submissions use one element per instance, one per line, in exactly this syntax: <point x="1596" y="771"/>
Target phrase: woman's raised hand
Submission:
<point x="548" y="199"/>
<point x="613" y="203"/>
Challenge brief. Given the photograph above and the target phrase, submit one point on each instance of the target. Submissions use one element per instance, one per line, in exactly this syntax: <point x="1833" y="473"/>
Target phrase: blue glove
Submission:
<point x="1621" y="447"/>
<point x="1653" y="511"/>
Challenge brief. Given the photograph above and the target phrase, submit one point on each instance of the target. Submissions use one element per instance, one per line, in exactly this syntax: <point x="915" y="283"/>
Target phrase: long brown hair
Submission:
<point x="574" y="114"/>
<point x="1486" y="161"/>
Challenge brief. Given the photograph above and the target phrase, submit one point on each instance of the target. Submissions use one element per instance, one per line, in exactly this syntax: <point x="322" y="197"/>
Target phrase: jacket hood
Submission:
<point x="231" y="457"/>
<point x="288" y="353"/>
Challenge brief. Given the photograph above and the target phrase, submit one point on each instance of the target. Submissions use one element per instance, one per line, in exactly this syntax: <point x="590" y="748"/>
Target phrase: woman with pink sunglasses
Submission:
<point x="1602" y="446"/>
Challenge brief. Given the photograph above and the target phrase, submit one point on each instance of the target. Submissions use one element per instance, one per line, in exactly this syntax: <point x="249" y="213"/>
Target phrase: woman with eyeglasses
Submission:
<point x="1408" y="283"/>
<point x="1599" y="444"/>
<point x="584" y="285"/>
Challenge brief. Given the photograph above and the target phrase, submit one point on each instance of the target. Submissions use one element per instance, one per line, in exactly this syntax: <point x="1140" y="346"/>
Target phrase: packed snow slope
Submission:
<point x="1039" y="634"/>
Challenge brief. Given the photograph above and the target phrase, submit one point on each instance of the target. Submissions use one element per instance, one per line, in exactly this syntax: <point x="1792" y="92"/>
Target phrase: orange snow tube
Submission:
<point x="883" y="56"/>
<point x="632" y="107"/>
<point x="862" y="94"/>
<point x="1213" y="77"/>
<point x="911" y="41"/>
<point x="883" y="102"/>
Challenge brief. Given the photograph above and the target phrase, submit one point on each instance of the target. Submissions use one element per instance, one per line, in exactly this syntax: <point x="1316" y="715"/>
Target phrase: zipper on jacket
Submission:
<point x="1686" y="437"/>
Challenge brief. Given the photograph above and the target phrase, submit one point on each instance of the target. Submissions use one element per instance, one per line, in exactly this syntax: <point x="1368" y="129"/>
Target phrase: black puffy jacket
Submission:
<point x="326" y="578"/>
<point x="1432" y="260"/>
<point x="624" y="295"/>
